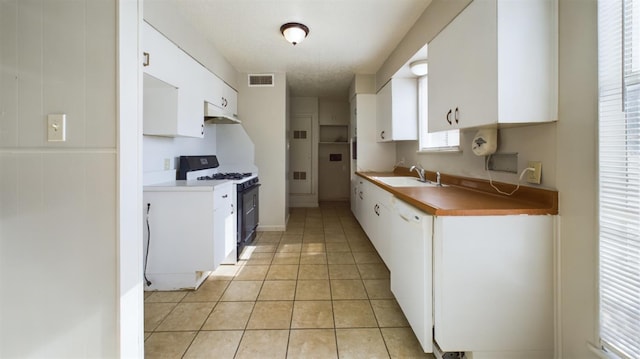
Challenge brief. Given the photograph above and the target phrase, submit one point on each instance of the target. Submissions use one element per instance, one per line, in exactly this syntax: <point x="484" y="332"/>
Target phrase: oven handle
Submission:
<point x="250" y="188"/>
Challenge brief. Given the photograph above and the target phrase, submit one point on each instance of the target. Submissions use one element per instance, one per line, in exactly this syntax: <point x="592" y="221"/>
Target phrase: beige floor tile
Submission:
<point x="154" y="314"/>
<point x="278" y="290"/>
<point x="257" y="272"/>
<point x="292" y="237"/>
<point x="166" y="297"/>
<point x="229" y="316"/>
<point x="286" y="258"/>
<point x="313" y="247"/>
<point x="271" y="315"/>
<point x="361" y="246"/>
<point x="313" y="258"/>
<point x="378" y="288"/>
<point x="360" y="344"/>
<point x="263" y="344"/>
<point x="338" y="247"/>
<point x="402" y="343"/>
<point x="312" y="344"/>
<point x="347" y="289"/>
<point x="317" y="289"/>
<point x="373" y="271"/>
<point x="340" y="258"/>
<point x="294" y="229"/>
<point x="217" y="344"/>
<point x="186" y="316"/>
<point x="353" y="314"/>
<point x="209" y="291"/>
<point x="313" y="236"/>
<point x="343" y="271"/>
<point x="366" y="257"/>
<point x="335" y="238"/>
<point x="241" y="291"/>
<point x="167" y="345"/>
<point x="263" y="248"/>
<point x="313" y="271"/>
<point x="257" y="258"/>
<point x="388" y="313"/>
<point x="267" y="240"/>
<point x="289" y="248"/>
<point x="310" y="314"/>
<point x="224" y="272"/>
<point x="283" y="272"/>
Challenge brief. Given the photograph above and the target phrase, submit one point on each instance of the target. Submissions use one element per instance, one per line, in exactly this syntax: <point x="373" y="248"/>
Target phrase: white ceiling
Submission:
<point x="346" y="37"/>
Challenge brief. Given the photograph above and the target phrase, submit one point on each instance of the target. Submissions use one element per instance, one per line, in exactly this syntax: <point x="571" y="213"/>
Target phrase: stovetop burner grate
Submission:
<point x="220" y="176"/>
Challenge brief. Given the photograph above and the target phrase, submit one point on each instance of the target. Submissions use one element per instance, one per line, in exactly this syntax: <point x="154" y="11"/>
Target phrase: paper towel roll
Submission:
<point x="485" y="142"/>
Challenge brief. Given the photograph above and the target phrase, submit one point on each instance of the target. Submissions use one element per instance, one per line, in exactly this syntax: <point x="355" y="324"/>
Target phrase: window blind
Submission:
<point x="619" y="174"/>
<point x="444" y="140"/>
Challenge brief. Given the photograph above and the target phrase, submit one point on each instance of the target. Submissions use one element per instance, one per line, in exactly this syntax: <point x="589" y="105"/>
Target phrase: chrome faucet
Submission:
<point x="438" y="181"/>
<point x="420" y="172"/>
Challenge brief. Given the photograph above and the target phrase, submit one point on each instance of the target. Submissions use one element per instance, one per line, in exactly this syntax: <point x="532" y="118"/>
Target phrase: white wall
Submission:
<point x="568" y="150"/>
<point x="266" y="122"/>
<point x="58" y="201"/>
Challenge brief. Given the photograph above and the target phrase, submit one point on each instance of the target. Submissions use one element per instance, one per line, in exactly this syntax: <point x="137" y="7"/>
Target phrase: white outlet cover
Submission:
<point x="56" y="127"/>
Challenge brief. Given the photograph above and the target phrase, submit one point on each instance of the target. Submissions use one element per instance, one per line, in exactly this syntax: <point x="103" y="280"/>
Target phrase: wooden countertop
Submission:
<point x="469" y="197"/>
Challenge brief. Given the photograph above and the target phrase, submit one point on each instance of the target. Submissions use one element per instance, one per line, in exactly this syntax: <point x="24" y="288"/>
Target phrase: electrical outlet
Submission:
<point x="534" y="176"/>
<point x="167" y="164"/>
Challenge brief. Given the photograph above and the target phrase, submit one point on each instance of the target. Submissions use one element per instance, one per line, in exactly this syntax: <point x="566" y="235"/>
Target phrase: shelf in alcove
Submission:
<point x="333" y="143"/>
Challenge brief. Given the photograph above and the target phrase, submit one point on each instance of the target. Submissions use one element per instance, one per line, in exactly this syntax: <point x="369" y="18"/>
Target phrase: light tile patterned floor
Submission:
<point x="318" y="290"/>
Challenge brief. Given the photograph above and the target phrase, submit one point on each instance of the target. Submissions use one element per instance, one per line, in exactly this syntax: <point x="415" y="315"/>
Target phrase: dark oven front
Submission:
<point x="248" y="201"/>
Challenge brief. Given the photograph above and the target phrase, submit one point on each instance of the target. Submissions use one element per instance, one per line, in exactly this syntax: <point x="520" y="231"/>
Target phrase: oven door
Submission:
<point x="248" y="215"/>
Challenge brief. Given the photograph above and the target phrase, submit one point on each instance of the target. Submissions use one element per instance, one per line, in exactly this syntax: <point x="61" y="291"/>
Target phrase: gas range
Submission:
<point x="226" y="175"/>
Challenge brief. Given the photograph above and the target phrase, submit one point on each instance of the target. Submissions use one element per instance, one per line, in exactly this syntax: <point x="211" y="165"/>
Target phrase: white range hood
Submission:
<point x="214" y="114"/>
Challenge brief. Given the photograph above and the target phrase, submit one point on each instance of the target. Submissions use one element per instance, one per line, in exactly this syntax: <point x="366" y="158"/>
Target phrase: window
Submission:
<point x="619" y="174"/>
<point x="436" y="141"/>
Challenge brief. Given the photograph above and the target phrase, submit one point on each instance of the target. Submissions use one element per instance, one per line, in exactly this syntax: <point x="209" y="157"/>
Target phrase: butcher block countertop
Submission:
<point x="469" y="196"/>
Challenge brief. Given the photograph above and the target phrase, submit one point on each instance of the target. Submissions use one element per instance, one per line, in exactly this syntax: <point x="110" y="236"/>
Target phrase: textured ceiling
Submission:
<point x="346" y="37"/>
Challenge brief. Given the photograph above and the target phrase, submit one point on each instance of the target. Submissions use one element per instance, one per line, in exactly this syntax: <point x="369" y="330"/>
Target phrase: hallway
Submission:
<point x="318" y="290"/>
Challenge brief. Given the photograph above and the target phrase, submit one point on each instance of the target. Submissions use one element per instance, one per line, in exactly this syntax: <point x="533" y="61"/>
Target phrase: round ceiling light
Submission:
<point x="294" y="32"/>
<point x="419" y="67"/>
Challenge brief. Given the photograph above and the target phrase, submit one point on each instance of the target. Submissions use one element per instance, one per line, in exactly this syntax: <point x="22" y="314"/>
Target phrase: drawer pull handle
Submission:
<point x="146" y="59"/>
<point x="449" y="116"/>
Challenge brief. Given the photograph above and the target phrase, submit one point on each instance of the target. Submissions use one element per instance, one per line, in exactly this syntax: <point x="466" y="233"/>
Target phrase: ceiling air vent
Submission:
<point x="260" y="80"/>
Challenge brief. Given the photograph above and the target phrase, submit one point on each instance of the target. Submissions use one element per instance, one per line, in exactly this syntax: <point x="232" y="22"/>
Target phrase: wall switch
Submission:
<point x="534" y="176"/>
<point x="56" y="127"/>
<point x="167" y="164"/>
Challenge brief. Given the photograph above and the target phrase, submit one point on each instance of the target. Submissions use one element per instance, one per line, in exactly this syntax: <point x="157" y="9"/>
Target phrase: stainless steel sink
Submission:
<point x="401" y="181"/>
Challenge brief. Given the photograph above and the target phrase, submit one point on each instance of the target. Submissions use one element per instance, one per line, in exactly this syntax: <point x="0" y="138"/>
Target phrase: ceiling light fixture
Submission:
<point x="419" y="67"/>
<point x="294" y="32"/>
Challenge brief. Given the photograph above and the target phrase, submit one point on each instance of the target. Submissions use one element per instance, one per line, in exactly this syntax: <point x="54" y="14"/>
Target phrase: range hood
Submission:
<point x="214" y="114"/>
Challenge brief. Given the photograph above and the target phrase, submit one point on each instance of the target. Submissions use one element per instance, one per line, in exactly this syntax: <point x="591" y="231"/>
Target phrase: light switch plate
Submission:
<point x="56" y="127"/>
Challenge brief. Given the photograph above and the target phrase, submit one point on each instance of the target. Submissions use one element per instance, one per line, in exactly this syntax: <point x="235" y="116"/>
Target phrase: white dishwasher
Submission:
<point x="411" y="269"/>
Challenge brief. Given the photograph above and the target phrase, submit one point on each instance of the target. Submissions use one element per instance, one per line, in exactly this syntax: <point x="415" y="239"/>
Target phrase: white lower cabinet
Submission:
<point x="376" y="219"/>
<point x="224" y="224"/>
<point x="411" y="269"/>
<point x="493" y="285"/>
<point x="477" y="284"/>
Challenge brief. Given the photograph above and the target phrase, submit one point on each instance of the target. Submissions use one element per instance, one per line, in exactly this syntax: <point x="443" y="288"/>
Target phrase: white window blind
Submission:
<point x="436" y="141"/>
<point x="619" y="167"/>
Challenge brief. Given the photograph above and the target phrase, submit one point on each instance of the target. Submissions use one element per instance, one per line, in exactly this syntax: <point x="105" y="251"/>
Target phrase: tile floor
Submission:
<point x="318" y="290"/>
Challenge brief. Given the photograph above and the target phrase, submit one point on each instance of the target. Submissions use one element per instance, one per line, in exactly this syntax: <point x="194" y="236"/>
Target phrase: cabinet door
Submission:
<point x="384" y="113"/>
<point x="191" y="98"/>
<point x="161" y="53"/>
<point x="224" y="219"/>
<point x="463" y="70"/>
<point x="212" y="88"/>
<point x="230" y="98"/>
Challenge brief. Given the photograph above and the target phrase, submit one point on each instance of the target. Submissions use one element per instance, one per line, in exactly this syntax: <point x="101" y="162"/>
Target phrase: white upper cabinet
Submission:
<point x="397" y="111"/>
<point x="173" y="89"/>
<point x="496" y="62"/>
